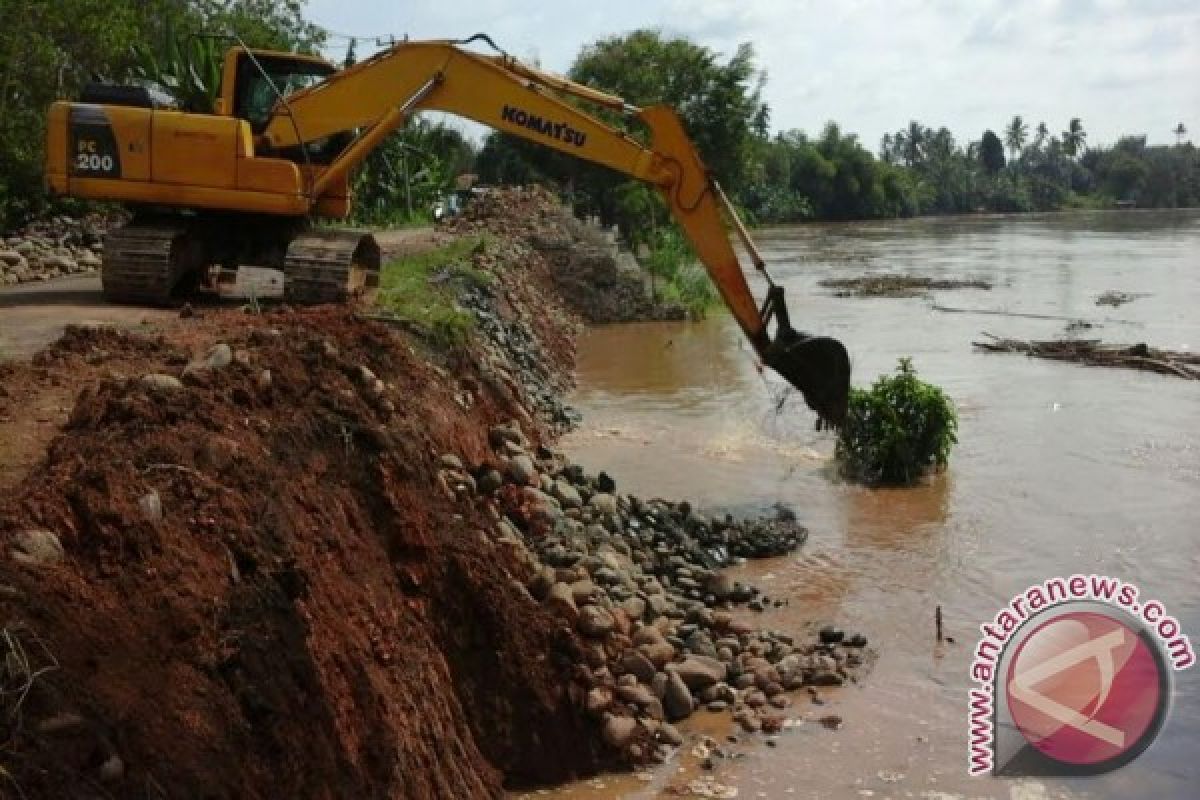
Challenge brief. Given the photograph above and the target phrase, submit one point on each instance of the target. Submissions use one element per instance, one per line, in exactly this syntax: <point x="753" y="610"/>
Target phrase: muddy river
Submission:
<point x="1061" y="469"/>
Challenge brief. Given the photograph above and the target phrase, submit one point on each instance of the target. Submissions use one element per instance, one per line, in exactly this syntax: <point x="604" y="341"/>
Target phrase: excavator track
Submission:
<point x="330" y="266"/>
<point x="144" y="263"/>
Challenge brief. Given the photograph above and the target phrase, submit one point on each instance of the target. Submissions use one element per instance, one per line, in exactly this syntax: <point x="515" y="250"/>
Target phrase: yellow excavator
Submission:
<point x="240" y="184"/>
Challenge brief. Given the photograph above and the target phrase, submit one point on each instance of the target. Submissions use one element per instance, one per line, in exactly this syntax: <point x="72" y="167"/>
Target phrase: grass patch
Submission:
<point x="679" y="277"/>
<point x="422" y="290"/>
<point x="897" y="431"/>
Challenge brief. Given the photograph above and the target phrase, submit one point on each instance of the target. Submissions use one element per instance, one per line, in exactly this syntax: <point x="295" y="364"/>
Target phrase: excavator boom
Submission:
<point x="288" y="130"/>
<point x="376" y="95"/>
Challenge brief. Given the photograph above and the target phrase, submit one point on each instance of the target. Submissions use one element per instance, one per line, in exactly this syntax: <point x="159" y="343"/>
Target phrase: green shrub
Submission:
<point x="679" y="277"/>
<point x="897" y="430"/>
<point x="422" y="289"/>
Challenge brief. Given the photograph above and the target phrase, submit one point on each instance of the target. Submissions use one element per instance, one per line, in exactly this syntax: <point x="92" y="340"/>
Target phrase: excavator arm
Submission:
<point x="375" y="97"/>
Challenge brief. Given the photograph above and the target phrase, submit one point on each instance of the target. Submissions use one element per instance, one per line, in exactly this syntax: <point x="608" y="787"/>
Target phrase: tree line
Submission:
<point x="793" y="176"/>
<point x="49" y="50"/>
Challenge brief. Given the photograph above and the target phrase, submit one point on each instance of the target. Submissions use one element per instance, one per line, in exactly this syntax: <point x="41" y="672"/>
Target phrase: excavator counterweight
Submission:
<point x="239" y="185"/>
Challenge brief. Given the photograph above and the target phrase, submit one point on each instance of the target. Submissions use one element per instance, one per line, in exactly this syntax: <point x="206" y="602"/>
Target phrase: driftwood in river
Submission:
<point x="1094" y="353"/>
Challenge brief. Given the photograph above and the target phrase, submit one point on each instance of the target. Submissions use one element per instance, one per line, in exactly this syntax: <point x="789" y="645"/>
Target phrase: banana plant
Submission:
<point x="190" y="70"/>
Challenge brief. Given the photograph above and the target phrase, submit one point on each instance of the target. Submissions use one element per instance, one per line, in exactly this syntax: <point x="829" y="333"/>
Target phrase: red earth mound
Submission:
<point x="261" y="590"/>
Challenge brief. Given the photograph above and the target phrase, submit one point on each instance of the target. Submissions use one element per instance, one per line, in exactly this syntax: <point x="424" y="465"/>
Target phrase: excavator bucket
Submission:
<point x="819" y="367"/>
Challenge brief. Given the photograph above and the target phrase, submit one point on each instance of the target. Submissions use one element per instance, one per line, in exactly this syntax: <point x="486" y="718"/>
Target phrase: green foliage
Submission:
<point x="401" y="180"/>
<point x="991" y="152"/>
<point x="719" y="101"/>
<point x="897" y="430"/>
<point x="189" y="68"/>
<point x="1015" y="135"/>
<point x="678" y="277"/>
<point x="421" y="290"/>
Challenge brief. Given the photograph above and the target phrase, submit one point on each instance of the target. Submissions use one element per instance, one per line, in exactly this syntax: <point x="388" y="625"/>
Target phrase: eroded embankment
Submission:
<point x="302" y="554"/>
<point x="259" y="575"/>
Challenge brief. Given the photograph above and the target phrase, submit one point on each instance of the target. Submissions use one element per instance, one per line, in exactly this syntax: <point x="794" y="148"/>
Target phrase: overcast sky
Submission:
<point x="1122" y="66"/>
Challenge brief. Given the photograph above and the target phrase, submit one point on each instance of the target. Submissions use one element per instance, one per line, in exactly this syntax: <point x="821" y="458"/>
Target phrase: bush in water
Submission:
<point x="897" y="430"/>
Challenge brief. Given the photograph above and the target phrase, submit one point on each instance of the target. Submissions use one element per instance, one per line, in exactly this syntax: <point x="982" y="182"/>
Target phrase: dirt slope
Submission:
<point x="310" y="617"/>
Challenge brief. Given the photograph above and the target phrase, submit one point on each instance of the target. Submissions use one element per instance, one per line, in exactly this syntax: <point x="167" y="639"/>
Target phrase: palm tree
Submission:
<point x="1039" y="139"/>
<point x="1180" y="131"/>
<point x="885" y="148"/>
<point x="1015" y="135"/>
<point x="1073" y="137"/>
<point x="912" y="145"/>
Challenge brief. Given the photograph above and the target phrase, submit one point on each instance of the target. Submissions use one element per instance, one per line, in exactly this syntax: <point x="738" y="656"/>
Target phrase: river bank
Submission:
<point x="1061" y="468"/>
<point x="304" y="553"/>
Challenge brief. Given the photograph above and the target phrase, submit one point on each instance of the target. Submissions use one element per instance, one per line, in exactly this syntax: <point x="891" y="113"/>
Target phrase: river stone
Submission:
<point x="219" y="357"/>
<point x="635" y="607"/>
<point x="659" y="653"/>
<point x="161" y="382"/>
<point x="637" y="694"/>
<point x="670" y="734"/>
<point x="719" y="585"/>
<point x="700" y="672"/>
<point x="490" y="481"/>
<point x="604" y="503"/>
<point x="826" y="677"/>
<point x="566" y="494"/>
<point x="522" y="471"/>
<point x="659" y="685"/>
<point x="595" y="621"/>
<point x="831" y="635"/>
<point x="678" y="699"/>
<point x="599" y="699"/>
<point x="562" y="601"/>
<point x="583" y="590"/>
<point x="150" y="504"/>
<point x="619" y="732"/>
<point x="37" y="548"/>
<point x="636" y="663"/>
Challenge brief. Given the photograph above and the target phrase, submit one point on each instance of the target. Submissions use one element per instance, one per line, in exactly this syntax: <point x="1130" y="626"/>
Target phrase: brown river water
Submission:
<point x="1061" y="469"/>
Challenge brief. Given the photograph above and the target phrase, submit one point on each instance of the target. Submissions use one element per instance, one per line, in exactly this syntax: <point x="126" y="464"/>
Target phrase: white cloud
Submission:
<point x="1123" y="66"/>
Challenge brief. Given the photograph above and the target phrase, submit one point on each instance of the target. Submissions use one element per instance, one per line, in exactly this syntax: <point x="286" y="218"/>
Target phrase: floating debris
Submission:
<point x="1094" y="353"/>
<point x="893" y="285"/>
<point x="1114" y="298"/>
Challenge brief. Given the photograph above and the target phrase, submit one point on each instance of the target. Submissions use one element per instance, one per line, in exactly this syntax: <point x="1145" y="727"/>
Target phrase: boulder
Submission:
<point x="522" y="471"/>
<point x="594" y="621"/>
<point x="635" y="663"/>
<point x="620" y="732"/>
<point x="37" y="548"/>
<point x="161" y="383"/>
<point x="677" y="701"/>
<point x="150" y="504"/>
<point x="699" y="672"/>
<point x="561" y="601"/>
<point x="566" y="494"/>
<point x="604" y="503"/>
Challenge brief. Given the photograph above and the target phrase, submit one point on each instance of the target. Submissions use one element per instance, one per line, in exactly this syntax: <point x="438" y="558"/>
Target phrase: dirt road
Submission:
<point x="33" y="315"/>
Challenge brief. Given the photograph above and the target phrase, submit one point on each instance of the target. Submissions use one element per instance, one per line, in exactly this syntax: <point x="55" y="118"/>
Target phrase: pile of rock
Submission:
<point x="640" y="581"/>
<point x="52" y="247"/>
<point x="511" y="356"/>
<point x="599" y="281"/>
